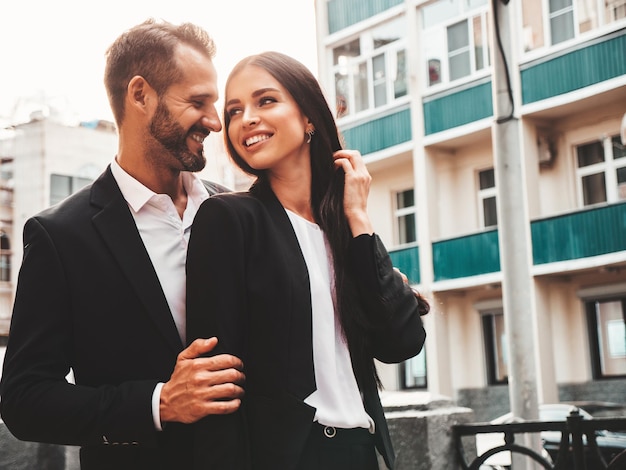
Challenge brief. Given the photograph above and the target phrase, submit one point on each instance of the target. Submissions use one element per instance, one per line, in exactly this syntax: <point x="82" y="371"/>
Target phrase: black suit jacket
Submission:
<point x="247" y="284"/>
<point x="88" y="298"/>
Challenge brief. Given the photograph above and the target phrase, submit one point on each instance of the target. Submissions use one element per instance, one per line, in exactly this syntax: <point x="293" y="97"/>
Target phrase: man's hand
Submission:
<point x="200" y="386"/>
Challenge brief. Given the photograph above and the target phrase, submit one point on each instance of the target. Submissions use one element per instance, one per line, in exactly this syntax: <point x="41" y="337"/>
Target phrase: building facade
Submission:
<point x="44" y="160"/>
<point x="412" y="83"/>
<point x="41" y="162"/>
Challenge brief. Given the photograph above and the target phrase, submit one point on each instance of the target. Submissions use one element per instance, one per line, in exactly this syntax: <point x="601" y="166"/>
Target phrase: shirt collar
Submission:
<point x="137" y="195"/>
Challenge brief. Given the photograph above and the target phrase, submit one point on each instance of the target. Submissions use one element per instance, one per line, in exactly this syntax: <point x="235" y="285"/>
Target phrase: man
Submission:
<point x="101" y="290"/>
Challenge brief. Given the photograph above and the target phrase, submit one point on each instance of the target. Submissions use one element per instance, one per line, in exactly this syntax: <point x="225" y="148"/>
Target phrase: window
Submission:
<point x="406" y="229"/>
<point x="607" y="336"/>
<point x="62" y="186"/>
<point x="566" y="19"/>
<point x="495" y="348"/>
<point x="601" y="171"/>
<point x="615" y="10"/>
<point x="413" y="371"/>
<point x="370" y="71"/>
<point x="487" y="198"/>
<point x="6" y="169"/>
<point x="6" y="196"/>
<point x="6" y="182"/>
<point x="561" y="14"/>
<point x="456" y="39"/>
<point x="5" y="258"/>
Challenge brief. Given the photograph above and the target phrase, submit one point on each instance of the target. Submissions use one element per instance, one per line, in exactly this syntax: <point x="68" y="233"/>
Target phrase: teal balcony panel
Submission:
<point x="381" y="133"/>
<point x="458" y="108"/>
<point x="344" y="13"/>
<point x="590" y="232"/>
<point x="466" y="256"/>
<point x="580" y="68"/>
<point x="407" y="260"/>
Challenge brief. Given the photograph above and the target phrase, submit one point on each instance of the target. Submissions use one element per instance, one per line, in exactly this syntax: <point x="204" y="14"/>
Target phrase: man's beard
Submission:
<point x="173" y="138"/>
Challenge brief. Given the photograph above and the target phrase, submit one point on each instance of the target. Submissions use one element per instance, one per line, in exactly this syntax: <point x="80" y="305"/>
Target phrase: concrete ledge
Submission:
<point x="20" y="455"/>
<point x="420" y="425"/>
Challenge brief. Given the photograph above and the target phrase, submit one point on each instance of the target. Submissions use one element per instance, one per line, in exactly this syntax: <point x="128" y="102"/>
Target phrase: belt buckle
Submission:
<point x="329" y="432"/>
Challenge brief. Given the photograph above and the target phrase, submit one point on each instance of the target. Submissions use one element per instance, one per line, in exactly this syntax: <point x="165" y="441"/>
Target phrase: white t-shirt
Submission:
<point x="337" y="398"/>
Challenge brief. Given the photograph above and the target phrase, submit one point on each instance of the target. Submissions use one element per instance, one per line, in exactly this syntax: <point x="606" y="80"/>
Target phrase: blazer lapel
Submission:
<point x="300" y="380"/>
<point x="117" y="227"/>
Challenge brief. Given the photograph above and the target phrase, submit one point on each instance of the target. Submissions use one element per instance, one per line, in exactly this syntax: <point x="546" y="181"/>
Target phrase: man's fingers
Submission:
<point x="223" y="407"/>
<point x="208" y="379"/>
<point x="199" y="347"/>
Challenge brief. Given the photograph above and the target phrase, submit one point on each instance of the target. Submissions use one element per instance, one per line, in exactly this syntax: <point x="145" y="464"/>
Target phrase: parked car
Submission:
<point x="609" y="443"/>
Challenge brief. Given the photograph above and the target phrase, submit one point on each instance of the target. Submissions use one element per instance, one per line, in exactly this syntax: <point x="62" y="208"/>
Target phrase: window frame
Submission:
<point x="603" y="13"/>
<point x="608" y="167"/>
<point x="74" y="183"/>
<point x="399" y="212"/>
<point x="351" y="69"/>
<point x="440" y="29"/>
<point x="5" y="257"/>
<point x="483" y="194"/>
<point x="488" y="327"/>
<point x="597" y="369"/>
<point x="404" y="367"/>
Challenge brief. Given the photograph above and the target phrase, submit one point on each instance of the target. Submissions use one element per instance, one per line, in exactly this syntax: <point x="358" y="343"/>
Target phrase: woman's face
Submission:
<point x="267" y="128"/>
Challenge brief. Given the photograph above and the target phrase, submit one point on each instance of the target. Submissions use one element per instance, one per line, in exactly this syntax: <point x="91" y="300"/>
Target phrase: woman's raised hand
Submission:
<point x="356" y="191"/>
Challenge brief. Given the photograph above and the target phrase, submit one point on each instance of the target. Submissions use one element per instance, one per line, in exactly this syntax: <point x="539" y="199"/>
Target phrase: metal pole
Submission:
<point x="513" y="221"/>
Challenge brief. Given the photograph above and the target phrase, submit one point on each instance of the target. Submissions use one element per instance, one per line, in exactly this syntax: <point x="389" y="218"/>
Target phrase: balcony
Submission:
<point x="344" y="13"/>
<point x="466" y="256"/>
<point x="407" y="260"/>
<point x="582" y="66"/>
<point x="457" y="107"/>
<point x="379" y="134"/>
<point x="588" y="232"/>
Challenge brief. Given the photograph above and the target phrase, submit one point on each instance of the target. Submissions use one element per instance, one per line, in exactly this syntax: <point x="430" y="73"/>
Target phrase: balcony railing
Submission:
<point x="407" y="260"/>
<point x="344" y="13"/>
<point x="582" y="66"/>
<point x="466" y="256"/>
<point x="588" y="232"/>
<point x="381" y="133"/>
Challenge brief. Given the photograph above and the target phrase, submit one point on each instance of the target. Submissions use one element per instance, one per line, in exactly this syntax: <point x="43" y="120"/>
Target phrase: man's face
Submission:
<point x="174" y="138"/>
<point x="185" y="113"/>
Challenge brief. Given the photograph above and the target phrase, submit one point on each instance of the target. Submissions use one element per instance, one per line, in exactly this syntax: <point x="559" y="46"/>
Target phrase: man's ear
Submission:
<point x="139" y="92"/>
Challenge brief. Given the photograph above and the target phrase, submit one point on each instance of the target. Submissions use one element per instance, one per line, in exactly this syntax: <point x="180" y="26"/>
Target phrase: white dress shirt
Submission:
<point x="165" y="236"/>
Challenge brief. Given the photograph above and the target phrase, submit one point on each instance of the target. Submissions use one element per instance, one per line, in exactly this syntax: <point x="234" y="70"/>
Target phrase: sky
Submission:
<point x="55" y="48"/>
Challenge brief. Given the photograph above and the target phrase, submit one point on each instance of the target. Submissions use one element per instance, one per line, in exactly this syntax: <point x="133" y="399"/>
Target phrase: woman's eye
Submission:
<point x="233" y="111"/>
<point x="267" y="100"/>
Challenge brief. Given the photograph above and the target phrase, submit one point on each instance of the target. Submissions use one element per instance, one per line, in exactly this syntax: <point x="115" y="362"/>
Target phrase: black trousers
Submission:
<point x="330" y="448"/>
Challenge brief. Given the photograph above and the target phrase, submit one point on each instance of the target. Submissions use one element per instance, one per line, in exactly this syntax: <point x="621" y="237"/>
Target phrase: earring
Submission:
<point x="309" y="134"/>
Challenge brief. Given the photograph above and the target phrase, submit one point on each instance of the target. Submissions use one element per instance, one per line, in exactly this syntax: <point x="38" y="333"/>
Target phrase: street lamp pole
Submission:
<point x="513" y="220"/>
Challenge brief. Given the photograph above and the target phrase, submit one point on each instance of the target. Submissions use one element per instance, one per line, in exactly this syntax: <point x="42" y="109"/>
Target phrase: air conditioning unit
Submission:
<point x="546" y="150"/>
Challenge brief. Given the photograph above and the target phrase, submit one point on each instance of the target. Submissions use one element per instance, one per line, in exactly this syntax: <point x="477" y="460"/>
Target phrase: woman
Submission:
<point x="291" y="278"/>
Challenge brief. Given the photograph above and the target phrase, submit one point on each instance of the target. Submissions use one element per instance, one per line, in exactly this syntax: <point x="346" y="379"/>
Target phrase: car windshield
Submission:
<point x="606" y="410"/>
<point x="560" y="411"/>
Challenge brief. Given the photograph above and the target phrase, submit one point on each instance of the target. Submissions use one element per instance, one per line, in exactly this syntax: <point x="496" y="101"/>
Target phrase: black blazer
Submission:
<point x="88" y="298"/>
<point x="247" y="284"/>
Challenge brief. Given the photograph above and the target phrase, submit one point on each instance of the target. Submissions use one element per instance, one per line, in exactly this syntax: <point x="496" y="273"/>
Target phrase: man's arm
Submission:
<point x="38" y="404"/>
